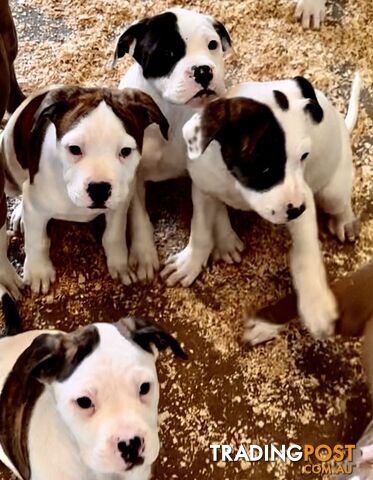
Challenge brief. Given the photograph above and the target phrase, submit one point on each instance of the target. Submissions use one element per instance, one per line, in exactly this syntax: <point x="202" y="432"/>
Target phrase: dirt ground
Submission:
<point x="292" y="390"/>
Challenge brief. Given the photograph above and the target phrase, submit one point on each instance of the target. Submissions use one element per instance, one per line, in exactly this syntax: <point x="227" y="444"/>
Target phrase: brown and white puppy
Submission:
<point x="10" y="97"/>
<point x="82" y="405"/>
<point x="73" y="153"/>
<point x="355" y="305"/>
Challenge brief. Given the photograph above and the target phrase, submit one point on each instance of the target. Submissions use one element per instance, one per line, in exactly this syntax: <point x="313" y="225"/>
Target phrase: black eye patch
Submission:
<point x="161" y="46"/>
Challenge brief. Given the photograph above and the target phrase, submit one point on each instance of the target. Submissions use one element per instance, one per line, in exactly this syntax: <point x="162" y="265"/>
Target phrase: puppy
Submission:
<point x="73" y="153"/>
<point x="266" y="147"/>
<point x="10" y="97"/>
<point x="355" y="304"/>
<point x="180" y="63"/>
<point x="81" y="405"/>
<point x="311" y="13"/>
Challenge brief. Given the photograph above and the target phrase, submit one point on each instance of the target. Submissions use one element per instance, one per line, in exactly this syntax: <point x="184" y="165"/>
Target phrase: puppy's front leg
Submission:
<point x="310" y="12"/>
<point x="8" y="276"/>
<point x="143" y="253"/>
<point x="38" y="271"/>
<point x="316" y="303"/>
<point x="115" y="244"/>
<point x="185" y="266"/>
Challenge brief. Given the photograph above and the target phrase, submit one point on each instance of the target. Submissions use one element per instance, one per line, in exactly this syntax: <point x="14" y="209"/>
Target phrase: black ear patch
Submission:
<point x="146" y="334"/>
<point x="131" y="34"/>
<point x="313" y="108"/>
<point x="281" y="99"/>
<point x="225" y="38"/>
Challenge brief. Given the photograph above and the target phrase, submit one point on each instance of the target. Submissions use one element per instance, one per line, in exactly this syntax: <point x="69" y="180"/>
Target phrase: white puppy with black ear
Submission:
<point x="73" y="153"/>
<point x="82" y="405"/>
<point x="180" y="63"/>
<point x="271" y="147"/>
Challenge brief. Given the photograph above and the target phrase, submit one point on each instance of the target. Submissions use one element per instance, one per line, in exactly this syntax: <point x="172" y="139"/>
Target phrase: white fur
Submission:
<point x="161" y="159"/>
<point x="311" y="12"/>
<point x="59" y="189"/>
<point x="68" y="443"/>
<point x="327" y="173"/>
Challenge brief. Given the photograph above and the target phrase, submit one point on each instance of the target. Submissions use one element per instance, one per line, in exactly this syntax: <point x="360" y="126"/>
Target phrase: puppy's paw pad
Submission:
<point x="258" y="331"/>
<point x="192" y="133"/>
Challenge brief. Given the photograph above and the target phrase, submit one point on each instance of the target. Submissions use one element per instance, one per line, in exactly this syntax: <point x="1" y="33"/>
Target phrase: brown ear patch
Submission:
<point x="146" y="334"/>
<point x="49" y="358"/>
<point x="65" y="106"/>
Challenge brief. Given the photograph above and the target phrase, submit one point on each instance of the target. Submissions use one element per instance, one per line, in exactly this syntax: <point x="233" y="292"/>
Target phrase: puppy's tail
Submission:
<point x="12" y="319"/>
<point x="353" y="106"/>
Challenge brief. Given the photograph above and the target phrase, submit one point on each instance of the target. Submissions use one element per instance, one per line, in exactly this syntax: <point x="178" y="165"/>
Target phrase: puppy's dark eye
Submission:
<point x="75" y="150"/>
<point x="213" y="45"/>
<point x="266" y="171"/>
<point x="144" y="388"/>
<point x="304" y="156"/>
<point x="84" y="402"/>
<point x="126" y="151"/>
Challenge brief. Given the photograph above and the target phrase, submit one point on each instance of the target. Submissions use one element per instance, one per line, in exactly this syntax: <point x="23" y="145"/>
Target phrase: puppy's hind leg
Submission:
<point x="143" y="258"/>
<point x="228" y="246"/>
<point x="335" y="199"/>
<point x="8" y="276"/>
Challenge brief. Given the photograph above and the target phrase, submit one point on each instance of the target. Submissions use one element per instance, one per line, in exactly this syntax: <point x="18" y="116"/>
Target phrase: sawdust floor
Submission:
<point x="291" y="390"/>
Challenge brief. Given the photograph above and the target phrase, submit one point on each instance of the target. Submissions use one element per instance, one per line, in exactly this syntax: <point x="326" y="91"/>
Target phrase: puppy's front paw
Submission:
<point x="228" y="249"/>
<point x="10" y="279"/>
<point x="144" y="260"/>
<point x="16" y="219"/>
<point x="319" y="312"/>
<point x="311" y="13"/>
<point x="344" y="228"/>
<point x="117" y="263"/>
<point x="184" y="267"/>
<point x="39" y="273"/>
<point x="258" y="331"/>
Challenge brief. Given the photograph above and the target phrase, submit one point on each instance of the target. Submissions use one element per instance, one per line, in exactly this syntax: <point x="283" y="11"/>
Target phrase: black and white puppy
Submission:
<point x="180" y="63"/>
<point x="73" y="153"/>
<point x="82" y="405"/>
<point x="271" y="147"/>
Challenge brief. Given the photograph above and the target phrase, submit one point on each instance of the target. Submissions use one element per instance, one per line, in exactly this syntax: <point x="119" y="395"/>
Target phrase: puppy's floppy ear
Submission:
<point x="49" y="358"/>
<point x="127" y="40"/>
<point x="313" y="108"/>
<point x="138" y="110"/>
<point x="146" y="334"/>
<point x="218" y="119"/>
<point x="225" y="38"/>
<point x="31" y="125"/>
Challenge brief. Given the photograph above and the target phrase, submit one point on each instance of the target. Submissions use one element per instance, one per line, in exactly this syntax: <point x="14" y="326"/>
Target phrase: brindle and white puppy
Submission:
<point x="270" y="147"/>
<point x="73" y="153"/>
<point x="10" y="97"/>
<point x="82" y="405"/>
<point x="179" y="62"/>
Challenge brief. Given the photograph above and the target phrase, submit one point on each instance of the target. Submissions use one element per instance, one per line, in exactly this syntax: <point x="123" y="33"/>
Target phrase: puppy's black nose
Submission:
<point x="295" y="212"/>
<point x="130" y="450"/>
<point x="99" y="193"/>
<point x="202" y="75"/>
